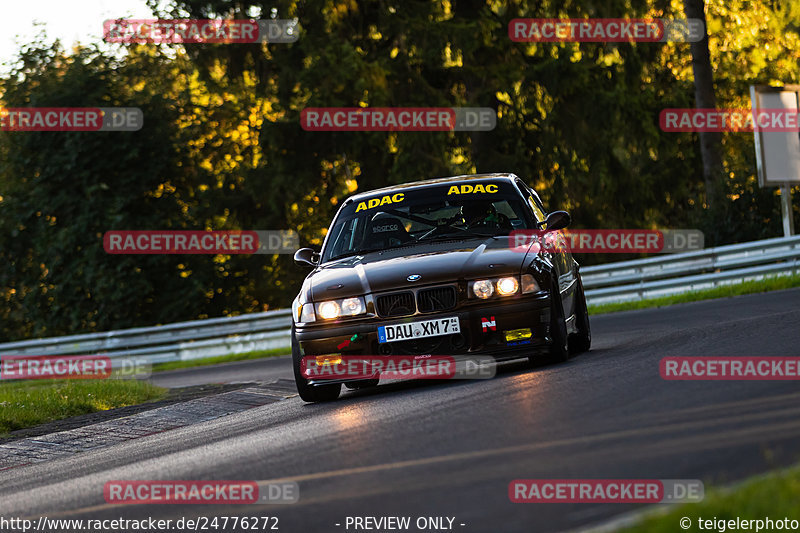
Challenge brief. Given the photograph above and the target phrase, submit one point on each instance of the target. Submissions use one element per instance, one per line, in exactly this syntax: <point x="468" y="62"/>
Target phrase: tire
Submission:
<point x="559" y="347"/>
<point x="310" y="393"/>
<point x="582" y="340"/>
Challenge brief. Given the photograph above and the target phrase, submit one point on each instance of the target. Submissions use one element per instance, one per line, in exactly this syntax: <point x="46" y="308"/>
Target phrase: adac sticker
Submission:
<point x="383" y="200"/>
<point x="472" y="189"/>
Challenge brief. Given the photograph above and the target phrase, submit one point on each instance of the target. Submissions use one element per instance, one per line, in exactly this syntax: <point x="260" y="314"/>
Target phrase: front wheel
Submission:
<point x="558" y="351"/>
<point x="310" y="393"/>
<point x="582" y="340"/>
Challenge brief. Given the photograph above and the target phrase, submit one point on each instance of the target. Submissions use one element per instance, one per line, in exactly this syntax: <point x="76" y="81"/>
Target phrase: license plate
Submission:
<point x="419" y="330"/>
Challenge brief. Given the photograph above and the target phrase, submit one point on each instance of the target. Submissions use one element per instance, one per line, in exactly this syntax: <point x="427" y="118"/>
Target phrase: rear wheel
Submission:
<point x="310" y="393"/>
<point x="582" y="340"/>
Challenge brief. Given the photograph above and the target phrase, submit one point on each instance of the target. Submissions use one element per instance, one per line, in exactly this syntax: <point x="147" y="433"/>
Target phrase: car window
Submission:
<point x="395" y="219"/>
<point x="346" y="237"/>
<point x="538" y="211"/>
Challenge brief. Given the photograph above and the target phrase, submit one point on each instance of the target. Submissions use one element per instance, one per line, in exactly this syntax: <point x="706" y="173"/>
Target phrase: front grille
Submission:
<point x="436" y="299"/>
<point x="397" y="304"/>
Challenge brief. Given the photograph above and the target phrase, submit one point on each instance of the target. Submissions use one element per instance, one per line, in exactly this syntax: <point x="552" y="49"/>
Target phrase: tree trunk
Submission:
<point x="710" y="142"/>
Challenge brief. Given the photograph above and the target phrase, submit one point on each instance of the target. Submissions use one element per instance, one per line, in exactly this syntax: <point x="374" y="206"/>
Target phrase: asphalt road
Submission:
<point x="451" y="449"/>
<point x="267" y="369"/>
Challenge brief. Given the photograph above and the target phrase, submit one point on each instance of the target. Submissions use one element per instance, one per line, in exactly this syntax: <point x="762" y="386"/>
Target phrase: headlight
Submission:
<point x="504" y="287"/>
<point x="529" y="284"/>
<point x="307" y="313"/>
<point x="332" y="309"/>
<point x="302" y="312"/>
<point x="328" y="310"/>
<point x="352" y="306"/>
<point x="507" y="286"/>
<point x="483" y="288"/>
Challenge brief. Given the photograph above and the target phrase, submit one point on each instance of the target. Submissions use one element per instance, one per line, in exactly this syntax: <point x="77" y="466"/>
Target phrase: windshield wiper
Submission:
<point x="366" y="251"/>
<point x="478" y="234"/>
<point x="456" y="237"/>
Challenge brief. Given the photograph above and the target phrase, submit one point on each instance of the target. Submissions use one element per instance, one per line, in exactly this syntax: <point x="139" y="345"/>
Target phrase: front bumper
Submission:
<point x="477" y="336"/>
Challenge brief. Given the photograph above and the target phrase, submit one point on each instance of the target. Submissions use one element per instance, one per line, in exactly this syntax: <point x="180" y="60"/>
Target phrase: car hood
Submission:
<point x="435" y="263"/>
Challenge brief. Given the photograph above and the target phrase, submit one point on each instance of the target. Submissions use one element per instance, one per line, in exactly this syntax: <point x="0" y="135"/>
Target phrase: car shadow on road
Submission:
<point x="505" y="369"/>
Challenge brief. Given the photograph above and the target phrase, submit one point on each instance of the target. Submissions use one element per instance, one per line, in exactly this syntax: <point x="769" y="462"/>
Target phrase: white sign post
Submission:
<point x="777" y="152"/>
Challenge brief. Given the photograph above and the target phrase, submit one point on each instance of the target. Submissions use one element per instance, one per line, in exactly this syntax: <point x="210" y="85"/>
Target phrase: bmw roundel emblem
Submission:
<point x="414" y="277"/>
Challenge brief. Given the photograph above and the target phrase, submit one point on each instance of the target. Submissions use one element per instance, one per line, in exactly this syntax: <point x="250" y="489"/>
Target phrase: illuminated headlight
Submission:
<point x="529" y="284"/>
<point x="328" y="310"/>
<point x="341" y="308"/>
<point x="352" y="306"/>
<point x="507" y="286"/>
<point x="483" y="288"/>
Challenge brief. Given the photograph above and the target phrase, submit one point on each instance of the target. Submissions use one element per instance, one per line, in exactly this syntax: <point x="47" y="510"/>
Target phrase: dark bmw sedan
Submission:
<point x="430" y="268"/>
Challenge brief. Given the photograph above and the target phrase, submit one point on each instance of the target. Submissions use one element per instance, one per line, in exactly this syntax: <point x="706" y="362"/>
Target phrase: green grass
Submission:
<point x="775" y="496"/>
<point x="736" y="289"/>
<point x="25" y="404"/>
<point x="29" y="403"/>
<point x="173" y="365"/>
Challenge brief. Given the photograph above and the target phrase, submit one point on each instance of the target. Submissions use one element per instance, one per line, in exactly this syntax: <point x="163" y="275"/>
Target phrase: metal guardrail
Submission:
<point x="172" y="342"/>
<point x="614" y="282"/>
<point x="701" y="269"/>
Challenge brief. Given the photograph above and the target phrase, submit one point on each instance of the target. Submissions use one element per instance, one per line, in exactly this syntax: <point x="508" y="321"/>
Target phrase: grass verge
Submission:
<point x="29" y="403"/>
<point x="24" y="404"/>
<point x="736" y="289"/>
<point x="774" y="495"/>
<point x="173" y="365"/>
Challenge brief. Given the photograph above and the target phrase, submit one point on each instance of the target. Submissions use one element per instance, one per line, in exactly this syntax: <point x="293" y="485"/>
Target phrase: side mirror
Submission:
<point x="557" y="220"/>
<point x="306" y="257"/>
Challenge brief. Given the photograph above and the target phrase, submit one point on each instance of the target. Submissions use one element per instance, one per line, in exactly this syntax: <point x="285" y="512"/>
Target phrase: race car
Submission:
<point x="429" y="268"/>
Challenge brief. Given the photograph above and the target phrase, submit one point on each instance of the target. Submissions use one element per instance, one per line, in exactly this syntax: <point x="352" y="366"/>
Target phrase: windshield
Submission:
<point x="414" y="216"/>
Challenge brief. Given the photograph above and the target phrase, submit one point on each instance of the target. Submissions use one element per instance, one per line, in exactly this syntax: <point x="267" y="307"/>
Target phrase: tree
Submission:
<point x="710" y="142"/>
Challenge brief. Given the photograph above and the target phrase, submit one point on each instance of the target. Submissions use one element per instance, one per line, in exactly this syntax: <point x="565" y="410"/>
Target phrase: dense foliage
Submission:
<point x="222" y="147"/>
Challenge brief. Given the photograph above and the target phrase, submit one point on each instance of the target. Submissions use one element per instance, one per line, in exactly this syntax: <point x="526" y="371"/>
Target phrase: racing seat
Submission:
<point x="481" y="215"/>
<point x="504" y="223"/>
<point x="386" y="232"/>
